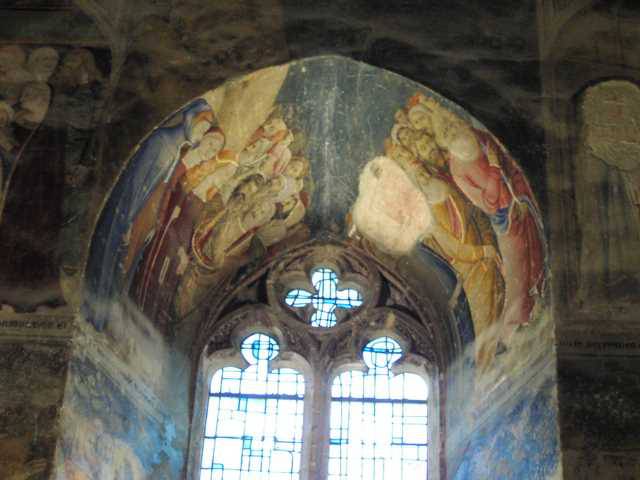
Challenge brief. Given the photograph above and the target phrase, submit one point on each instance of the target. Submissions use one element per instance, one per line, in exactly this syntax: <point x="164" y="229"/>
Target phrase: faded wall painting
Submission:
<point x="32" y="380"/>
<point x="109" y="431"/>
<point x="50" y="103"/>
<point x="283" y="155"/>
<point x="607" y="193"/>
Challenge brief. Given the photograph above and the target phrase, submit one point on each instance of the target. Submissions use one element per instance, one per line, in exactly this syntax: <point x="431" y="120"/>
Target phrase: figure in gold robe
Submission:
<point x="462" y="235"/>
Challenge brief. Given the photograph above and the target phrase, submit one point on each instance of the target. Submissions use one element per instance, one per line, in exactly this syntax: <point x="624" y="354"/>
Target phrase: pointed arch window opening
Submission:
<point x="363" y="420"/>
<point x="326" y="298"/>
<point x="254" y="419"/>
<point x="378" y="424"/>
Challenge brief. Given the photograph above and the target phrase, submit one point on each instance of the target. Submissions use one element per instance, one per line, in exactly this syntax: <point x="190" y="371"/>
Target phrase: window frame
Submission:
<point x="317" y="398"/>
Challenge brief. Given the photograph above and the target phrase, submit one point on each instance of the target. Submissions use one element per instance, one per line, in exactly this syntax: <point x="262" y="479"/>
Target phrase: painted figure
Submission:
<point x="42" y="62"/>
<point x="8" y="142"/>
<point x="34" y="104"/>
<point x="606" y="177"/>
<point x="229" y="234"/>
<point x="13" y="72"/>
<point x="166" y="257"/>
<point x="491" y="180"/>
<point x="458" y="235"/>
<point x="129" y="217"/>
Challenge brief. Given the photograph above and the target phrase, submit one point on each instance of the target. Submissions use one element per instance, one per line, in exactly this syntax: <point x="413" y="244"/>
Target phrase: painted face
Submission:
<point x="274" y="126"/>
<point x="277" y="184"/>
<point x="199" y="129"/>
<point x="35" y="97"/>
<point x="260" y="214"/>
<point x="6" y="114"/>
<point x="210" y="145"/>
<point x="295" y="169"/>
<point x="420" y="117"/>
<point x="401" y="154"/>
<point x="406" y="137"/>
<point x="42" y="62"/>
<point x="255" y="151"/>
<point x="426" y="146"/>
<point x="249" y="188"/>
<point x="289" y="204"/>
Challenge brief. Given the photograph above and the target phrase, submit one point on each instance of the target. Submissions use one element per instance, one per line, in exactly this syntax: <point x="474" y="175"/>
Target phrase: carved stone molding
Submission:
<point x="388" y="308"/>
<point x="32" y="327"/>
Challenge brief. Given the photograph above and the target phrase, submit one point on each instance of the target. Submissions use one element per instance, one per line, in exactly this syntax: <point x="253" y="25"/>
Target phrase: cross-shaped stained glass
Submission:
<point x="326" y="298"/>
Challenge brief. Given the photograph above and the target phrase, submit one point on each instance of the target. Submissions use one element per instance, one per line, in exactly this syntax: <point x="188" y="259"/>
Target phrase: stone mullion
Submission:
<point x="320" y="422"/>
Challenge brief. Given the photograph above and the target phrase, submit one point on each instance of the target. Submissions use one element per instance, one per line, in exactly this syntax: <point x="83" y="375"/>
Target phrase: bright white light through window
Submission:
<point x="254" y="418"/>
<point x="378" y="421"/>
<point x="325" y="299"/>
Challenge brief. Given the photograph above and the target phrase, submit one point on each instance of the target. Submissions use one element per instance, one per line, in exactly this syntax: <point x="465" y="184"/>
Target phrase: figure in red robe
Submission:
<point x="489" y="177"/>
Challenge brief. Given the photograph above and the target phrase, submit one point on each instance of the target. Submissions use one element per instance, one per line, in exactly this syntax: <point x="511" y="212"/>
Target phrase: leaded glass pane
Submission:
<point x="326" y="298"/>
<point x="253" y="428"/>
<point x="378" y="421"/>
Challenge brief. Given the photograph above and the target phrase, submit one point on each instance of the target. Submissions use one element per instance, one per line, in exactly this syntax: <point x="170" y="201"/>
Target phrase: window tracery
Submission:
<point x="371" y="364"/>
<point x="326" y="298"/>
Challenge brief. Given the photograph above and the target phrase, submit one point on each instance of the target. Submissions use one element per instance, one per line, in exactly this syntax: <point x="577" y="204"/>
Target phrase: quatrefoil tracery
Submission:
<point x="326" y="298"/>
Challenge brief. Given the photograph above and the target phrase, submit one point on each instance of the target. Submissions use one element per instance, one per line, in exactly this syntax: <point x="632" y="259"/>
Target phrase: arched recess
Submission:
<point x="607" y="201"/>
<point x="589" y="49"/>
<point x="328" y="160"/>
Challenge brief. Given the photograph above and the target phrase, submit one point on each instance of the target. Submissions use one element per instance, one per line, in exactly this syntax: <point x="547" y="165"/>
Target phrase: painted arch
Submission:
<point x="331" y="149"/>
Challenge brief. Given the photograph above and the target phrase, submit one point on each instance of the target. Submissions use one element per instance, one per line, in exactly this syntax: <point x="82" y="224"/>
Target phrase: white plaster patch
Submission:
<point x="390" y="209"/>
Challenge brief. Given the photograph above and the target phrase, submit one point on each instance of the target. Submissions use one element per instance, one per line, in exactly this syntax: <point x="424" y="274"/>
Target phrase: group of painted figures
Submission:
<point x="484" y="219"/>
<point x="190" y="212"/>
<point x="209" y="209"/>
<point x="28" y="79"/>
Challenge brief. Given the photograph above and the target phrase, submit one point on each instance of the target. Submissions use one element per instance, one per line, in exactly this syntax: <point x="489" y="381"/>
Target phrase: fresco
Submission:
<point x="32" y="379"/>
<point x="25" y="96"/>
<point x="226" y="182"/>
<point x="50" y="102"/>
<point x="520" y="443"/>
<point x="607" y="190"/>
<point x="203" y="194"/>
<point x="106" y="433"/>
<point x="463" y="197"/>
<point x="32" y="80"/>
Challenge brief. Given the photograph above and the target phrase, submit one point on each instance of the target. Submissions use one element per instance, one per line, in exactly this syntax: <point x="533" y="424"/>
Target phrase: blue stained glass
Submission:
<point x="259" y="347"/>
<point x="326" y="298"/>
<point x="378" y="422"/>
<point x="253" y="427"/>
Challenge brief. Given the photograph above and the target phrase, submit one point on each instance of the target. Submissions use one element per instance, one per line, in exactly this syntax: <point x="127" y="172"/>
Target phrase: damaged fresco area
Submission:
<point x="522" y="443"/>
<point x="109" y="431"/>
<point x="475" y="210"/>
<point x="32" y="379"/>
<point x="51" y="99"/>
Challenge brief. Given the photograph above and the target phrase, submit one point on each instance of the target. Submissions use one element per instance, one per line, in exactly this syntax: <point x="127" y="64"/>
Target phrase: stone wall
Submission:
<point x="34" y="357"/>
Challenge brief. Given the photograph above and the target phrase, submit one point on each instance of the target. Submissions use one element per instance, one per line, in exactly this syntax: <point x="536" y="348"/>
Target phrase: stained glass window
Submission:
<point x="326" y="298"/>
<point x="378" y="420"/>
<point x="253" y="428"/>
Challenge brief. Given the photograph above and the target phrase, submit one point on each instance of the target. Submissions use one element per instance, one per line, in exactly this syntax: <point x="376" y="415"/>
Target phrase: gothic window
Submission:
<point x="378" y="420"/>
<point x="253" y="426"/>
<point x="319" y="383"/>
